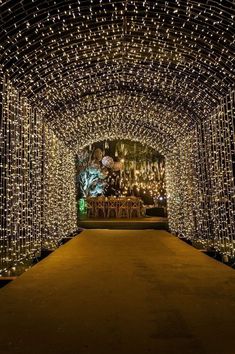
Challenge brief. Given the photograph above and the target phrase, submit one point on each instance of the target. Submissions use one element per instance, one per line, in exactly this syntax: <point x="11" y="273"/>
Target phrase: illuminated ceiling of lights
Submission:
<point x="133" y="69"/>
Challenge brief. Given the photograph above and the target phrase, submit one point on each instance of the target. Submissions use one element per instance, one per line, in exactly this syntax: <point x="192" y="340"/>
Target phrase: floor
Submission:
<point x="125" y="292"/>
<point x="150" y="222"/>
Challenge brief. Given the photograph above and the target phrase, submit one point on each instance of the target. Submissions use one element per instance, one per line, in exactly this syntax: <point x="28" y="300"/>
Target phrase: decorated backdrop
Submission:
<point x="121" y="167"/>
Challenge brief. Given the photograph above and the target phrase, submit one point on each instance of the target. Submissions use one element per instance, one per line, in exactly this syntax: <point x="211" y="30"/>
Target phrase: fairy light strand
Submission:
<point x="201" y="181"/>
<point x="37" y="183"/>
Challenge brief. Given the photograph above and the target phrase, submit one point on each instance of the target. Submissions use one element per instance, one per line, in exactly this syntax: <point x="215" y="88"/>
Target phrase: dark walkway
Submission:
<point x="121" y="292"/>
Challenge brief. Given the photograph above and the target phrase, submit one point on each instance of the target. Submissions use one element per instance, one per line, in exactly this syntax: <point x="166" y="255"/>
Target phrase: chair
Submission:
<point x="90" y="207"/>
<point x="135" y="207"/>
<point x="112" y="207"/>
<point x="123" y="209"/>
<point x="100" y="207"/>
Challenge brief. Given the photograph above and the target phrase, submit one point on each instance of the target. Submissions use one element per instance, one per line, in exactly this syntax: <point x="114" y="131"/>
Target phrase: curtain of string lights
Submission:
<point x="20" y="178"/>
<point x="152" y="71"/>
<point x="37" y="182"/>
<point x="59" y="216"/>
<point x="181" y="187"/>
<point x="201" y="181"/>
<point x="215" y="163"/>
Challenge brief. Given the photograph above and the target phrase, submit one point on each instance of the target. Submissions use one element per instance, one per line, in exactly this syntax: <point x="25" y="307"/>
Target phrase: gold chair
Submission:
<point x="123" y="209"/>
<point x="135" y="207"/>
<point x="90" y="207"/>
<point x="112" y="207"/>
<point x="100" y="207"/>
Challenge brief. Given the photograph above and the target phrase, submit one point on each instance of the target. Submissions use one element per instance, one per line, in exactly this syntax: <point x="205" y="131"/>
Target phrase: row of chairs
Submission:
<point x="114" y="207"/>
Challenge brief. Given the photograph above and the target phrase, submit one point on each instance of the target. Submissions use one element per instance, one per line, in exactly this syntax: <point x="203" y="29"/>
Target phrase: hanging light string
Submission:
<point x="179" y="53"/>
<point x="201" y="182"/>
<point x="37" y="183"/>
<point x="20" y="178"/>
<point x="60" y="215"/>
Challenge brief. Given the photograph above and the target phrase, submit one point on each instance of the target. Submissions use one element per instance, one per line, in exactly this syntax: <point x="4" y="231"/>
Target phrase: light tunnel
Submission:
<point x="77" y="72"/>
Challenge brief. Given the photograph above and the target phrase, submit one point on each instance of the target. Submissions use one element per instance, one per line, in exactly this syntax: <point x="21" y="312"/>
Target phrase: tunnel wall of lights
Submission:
<point x="181" y="187"/>
<point x="59" y="216"/>
<point x="20" y="178"/>
<point x="37" y="187"/>
<point x="201" y="181"/>
<point x="215" y="172"/>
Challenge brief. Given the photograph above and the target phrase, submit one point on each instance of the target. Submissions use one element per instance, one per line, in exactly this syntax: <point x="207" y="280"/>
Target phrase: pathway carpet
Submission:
<point x="125" y="292"/>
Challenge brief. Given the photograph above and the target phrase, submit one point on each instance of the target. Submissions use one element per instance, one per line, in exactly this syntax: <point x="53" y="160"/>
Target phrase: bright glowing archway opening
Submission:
<point x="121" y="168"/>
